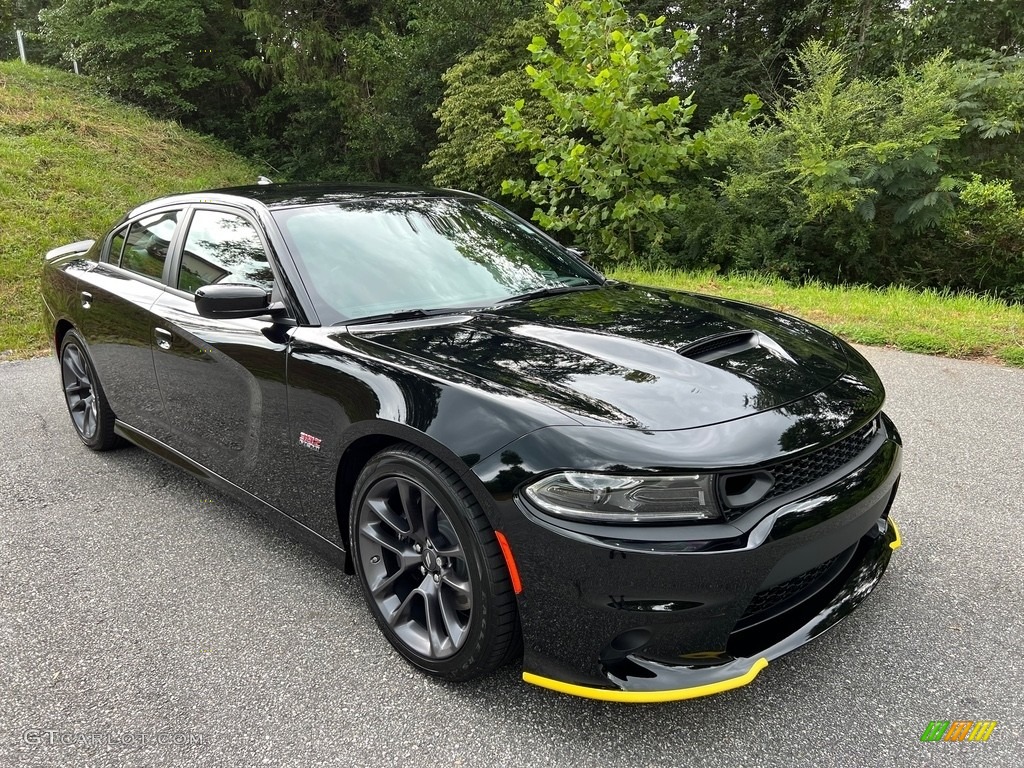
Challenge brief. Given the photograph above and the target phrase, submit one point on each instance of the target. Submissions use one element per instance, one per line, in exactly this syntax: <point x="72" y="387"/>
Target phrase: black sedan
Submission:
<point x="645" y="494"/>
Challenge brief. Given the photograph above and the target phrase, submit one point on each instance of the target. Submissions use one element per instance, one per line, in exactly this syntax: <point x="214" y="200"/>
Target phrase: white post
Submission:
<point x="21" y="46"/>
<point x="74" y="63"/>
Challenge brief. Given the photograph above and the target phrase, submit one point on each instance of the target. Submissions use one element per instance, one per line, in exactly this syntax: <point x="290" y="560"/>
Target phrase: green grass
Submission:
<point x="71" y="163"/>
<point x="925" y="321"/>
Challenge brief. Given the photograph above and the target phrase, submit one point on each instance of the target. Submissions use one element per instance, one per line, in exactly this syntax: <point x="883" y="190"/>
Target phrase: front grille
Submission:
<point x="790" y="475"/>
<point x="792" y="590"/>
<point x="795" y="474"/>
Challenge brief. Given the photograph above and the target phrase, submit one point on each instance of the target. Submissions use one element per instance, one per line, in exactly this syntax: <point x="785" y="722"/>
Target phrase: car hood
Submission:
<point x="630" y="356"/>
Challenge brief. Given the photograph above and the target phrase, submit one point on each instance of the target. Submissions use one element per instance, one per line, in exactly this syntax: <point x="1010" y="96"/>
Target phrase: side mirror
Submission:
<point x="230" y="300"/>
<point x="580" y="254"/>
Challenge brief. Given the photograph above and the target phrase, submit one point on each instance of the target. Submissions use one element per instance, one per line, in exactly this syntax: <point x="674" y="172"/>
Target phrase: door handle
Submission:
<point x="86" y="300"/>
<point x="163" y="338"/>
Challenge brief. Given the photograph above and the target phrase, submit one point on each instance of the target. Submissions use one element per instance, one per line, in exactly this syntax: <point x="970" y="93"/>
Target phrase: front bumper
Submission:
<point x="669" y="682"/>
<point x="637" y="622"/>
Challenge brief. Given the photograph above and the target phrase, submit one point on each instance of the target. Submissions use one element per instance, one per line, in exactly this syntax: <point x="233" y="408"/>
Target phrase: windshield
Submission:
<point x="371" y="257"/>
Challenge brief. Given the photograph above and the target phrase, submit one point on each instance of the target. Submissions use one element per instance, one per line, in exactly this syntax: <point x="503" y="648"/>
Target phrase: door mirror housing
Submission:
<point x="224" y="301"/>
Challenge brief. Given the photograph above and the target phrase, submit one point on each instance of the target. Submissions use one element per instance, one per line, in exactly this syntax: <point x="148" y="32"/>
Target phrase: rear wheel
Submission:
<point x="90" y="414"/>
<point x="430" y="566"/>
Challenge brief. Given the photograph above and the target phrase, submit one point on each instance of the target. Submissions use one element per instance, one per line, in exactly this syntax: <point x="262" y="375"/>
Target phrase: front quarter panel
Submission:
<point x="342" y="388"/>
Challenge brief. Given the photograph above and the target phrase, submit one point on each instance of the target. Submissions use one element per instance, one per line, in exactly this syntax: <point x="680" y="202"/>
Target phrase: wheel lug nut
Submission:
<point x="437" y="578"/>
<point x="417" y="548"/>
<point x="423" y="570"/>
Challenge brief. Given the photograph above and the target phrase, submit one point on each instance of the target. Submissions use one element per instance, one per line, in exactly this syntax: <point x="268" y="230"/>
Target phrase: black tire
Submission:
<point x="87" y="405"/>
<point x="430" y="567"/>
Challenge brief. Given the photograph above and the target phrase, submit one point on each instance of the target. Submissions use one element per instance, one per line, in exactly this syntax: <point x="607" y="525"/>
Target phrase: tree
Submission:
<point x="968" y="30"/>
<point x="9" y="18"/>
<point x="366" y="75"/>
<point x="24" y="15"/>
<point x="608" y="150"/>
<point x="470" y="153"/>
<point x="173" y="57"/>
<point x="441" y="33"/>
<point x="744" y="46"/>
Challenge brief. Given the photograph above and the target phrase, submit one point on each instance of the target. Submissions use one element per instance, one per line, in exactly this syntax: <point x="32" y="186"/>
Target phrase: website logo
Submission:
<point x="958" y="730"/>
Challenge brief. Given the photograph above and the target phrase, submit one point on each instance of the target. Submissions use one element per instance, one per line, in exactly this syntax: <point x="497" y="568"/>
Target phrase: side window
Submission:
<point x="222" y="248"/>
<point x="145" y="248"/>
<point x="114" y="248"/>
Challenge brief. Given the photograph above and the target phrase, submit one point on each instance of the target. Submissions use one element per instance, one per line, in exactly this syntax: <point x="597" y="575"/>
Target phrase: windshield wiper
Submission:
<point x="549" y="290"/>
<point x="405" y="314"/>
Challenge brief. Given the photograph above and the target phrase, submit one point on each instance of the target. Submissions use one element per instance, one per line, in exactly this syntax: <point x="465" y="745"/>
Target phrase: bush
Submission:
<point x="987" y="234"/>
<point x="866" y="180"/>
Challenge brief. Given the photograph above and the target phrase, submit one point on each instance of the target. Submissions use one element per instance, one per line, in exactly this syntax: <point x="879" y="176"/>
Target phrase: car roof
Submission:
<point x="299" y="194"/>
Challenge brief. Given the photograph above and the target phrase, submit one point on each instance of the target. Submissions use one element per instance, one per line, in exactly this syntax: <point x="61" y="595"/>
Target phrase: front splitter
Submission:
<point x="664" y="682"/>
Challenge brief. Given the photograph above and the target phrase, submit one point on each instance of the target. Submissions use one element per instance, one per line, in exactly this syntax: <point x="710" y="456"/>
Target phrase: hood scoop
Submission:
<point x="720" y="345"/>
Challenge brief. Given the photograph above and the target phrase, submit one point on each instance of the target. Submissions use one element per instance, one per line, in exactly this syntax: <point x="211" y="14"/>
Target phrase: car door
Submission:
<point x="222" y="381"/>
<point x="116" y="320"/>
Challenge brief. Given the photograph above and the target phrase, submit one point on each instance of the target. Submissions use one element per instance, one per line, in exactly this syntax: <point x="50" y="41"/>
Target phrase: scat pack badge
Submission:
<point x="309" y="441"/>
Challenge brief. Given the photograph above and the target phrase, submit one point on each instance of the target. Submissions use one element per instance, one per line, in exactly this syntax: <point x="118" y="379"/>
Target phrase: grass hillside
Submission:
<point x="71" y="163"/>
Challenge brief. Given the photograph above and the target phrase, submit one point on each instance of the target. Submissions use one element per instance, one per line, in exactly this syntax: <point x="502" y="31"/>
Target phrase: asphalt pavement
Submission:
<point x="147" y="620"/>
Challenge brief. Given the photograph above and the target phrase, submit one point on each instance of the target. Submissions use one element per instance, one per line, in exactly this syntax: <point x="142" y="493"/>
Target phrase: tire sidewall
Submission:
<point x="100" y="437"/>
<point x="391" y="464"/>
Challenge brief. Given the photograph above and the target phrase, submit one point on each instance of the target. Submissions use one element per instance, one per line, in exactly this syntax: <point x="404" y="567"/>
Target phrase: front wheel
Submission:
<point x="90" y="414"/>
<point x="430" y="567"/>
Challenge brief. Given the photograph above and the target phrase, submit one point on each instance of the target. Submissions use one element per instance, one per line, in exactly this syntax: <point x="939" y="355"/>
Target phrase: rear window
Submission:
<point x="114" y="248"/>
<point x="145" y="248"/>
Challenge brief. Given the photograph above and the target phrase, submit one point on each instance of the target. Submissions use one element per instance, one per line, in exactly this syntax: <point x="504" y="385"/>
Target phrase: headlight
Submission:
<point x="626" y="499"/>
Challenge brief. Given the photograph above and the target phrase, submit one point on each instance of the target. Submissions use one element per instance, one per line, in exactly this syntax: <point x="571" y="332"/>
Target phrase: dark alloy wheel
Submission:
<point x="430" y="567"/>
<point x="90" y="414"/>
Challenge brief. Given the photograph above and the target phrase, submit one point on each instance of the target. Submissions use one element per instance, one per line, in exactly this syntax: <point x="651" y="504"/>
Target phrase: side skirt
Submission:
<point x="280" y="520"/>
